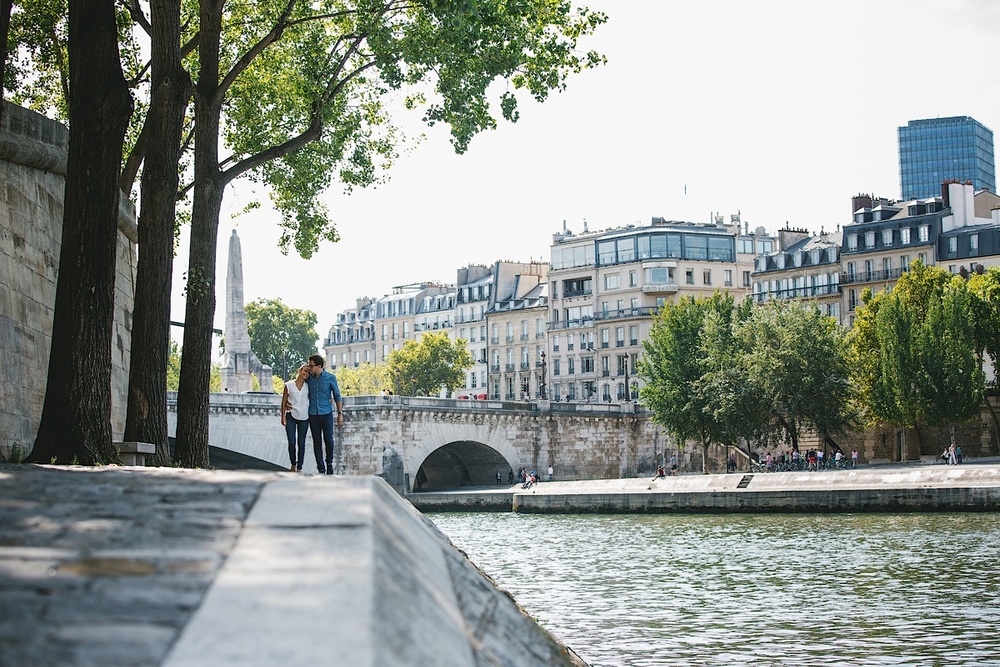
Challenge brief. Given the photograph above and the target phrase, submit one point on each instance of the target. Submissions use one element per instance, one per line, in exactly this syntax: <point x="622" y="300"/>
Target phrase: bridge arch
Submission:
<point x="460" y="463"/>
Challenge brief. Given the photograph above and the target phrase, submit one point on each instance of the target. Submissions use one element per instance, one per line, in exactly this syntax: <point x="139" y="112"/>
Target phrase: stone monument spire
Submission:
<point x="239" y="361"/>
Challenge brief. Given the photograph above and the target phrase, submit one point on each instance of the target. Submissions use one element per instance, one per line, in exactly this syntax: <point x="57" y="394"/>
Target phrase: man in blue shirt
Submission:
<point x="323" y="386"/>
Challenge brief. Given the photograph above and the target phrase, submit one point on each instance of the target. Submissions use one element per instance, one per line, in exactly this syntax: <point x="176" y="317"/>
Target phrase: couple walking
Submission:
<point x="306" y="402"/>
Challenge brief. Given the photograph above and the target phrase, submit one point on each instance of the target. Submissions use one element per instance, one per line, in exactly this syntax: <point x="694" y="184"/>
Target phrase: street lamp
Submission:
<point x="542" y="387"/>
<point x="628" y="391"/>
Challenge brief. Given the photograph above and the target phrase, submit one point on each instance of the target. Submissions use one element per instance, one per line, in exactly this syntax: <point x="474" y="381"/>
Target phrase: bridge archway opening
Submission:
<point x="458" y="464"/>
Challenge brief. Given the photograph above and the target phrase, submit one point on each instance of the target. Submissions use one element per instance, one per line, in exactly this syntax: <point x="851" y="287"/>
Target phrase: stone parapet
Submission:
<point x="32" y="173"/>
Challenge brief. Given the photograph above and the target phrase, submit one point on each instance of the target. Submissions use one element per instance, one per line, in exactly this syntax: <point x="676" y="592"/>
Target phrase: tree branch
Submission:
<point x="271" y="37"/>
<point x="135" y="11"/>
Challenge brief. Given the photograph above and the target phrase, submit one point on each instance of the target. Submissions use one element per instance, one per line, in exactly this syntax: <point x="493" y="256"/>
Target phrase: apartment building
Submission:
<point x="959" y="231"/>
<point x="516" y="321"/>
<point x="605" y="287"/>
<point x="804" y="267"/>
<point x="374" y="328"/>
<point x="351" y="339"/>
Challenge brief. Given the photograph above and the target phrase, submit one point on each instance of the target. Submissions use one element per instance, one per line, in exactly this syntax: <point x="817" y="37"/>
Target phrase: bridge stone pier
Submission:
<point x="432" y="443"/>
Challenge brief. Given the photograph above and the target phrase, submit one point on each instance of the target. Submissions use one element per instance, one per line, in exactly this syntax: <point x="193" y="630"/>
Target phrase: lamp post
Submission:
<point x="542" y="386"/>
<point x="628" y="391"/>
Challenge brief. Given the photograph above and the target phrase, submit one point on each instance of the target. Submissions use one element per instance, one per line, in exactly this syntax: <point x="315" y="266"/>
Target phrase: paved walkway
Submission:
<point x="104" y="566"/>
<point x="192" y="568"/>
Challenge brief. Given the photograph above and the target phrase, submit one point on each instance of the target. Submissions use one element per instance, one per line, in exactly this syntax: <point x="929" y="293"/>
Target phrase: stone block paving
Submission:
<point x="105" y="566"/>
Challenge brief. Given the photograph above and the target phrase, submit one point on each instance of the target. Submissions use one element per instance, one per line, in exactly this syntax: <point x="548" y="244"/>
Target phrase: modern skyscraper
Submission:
<point x="939" y="149"/>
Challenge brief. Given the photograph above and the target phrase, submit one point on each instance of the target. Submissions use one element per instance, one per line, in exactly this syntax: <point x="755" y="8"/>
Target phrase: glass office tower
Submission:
<point x="940" y="149"/>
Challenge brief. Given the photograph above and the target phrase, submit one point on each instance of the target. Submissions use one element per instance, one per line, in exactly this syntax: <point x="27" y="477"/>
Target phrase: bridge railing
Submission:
<point x="267" y="400"/>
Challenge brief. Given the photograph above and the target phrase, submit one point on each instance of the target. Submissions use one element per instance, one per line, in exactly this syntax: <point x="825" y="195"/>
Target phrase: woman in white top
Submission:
<point x="295" y="416"/>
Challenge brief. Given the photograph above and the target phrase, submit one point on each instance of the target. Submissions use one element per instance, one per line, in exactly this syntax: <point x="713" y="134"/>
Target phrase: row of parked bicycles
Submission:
<point x="803" y="464"/>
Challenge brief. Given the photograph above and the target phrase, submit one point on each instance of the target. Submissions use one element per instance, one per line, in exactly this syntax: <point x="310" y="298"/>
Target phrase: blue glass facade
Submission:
<point x="940" y="149"/>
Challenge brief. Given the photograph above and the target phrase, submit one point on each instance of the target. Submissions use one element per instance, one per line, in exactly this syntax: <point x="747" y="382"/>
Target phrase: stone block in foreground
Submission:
<point x="343" y="571"/>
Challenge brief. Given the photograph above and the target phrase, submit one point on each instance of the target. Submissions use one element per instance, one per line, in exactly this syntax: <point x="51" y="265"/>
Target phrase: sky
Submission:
<point x="780" y="110"/>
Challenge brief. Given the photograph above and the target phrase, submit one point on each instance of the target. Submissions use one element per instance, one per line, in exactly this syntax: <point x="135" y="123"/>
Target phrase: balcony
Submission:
<point x="571" y="293"/>
<point x="495" y="367"/>
<point x="510" y="367"/>
<point x="510" y="339"/>
<point x="495" y="340"/>
<point x="526" y="366"/>
<point x="621" y="313"/>
<point x="524" y="336"/>
<point x="871" y="276"/>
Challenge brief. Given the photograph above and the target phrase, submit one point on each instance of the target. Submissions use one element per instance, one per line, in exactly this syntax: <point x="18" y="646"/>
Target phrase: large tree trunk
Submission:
<point x="146" y="417"/>
<point x="196" y="359"/>
<point x="76" y="415"/>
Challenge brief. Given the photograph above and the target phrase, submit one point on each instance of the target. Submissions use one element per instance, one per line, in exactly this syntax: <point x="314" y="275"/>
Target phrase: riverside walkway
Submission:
<point x="163" y="566"/>
<point x="889" y="488"/>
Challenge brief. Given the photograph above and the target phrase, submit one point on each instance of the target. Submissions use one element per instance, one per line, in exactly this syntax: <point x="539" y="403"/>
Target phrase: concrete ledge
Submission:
<point x="890" y="489"/>
<point x="134" y="453"/>
<point x="343" y="571"/>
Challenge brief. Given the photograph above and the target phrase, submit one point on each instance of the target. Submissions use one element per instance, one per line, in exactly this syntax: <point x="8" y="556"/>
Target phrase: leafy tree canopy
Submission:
<point x="424" y="367"/>
<point x="279" y="332"/>
<point x="364" y="380"/>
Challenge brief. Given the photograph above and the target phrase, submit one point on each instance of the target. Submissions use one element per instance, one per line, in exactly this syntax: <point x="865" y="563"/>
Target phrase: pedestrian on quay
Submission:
<point x="323" y="395"/>
<point x="295" y="417"/>
<point x="549" y="473"/>
<point x="854" y="458"/>
<point x="673" y="464"/>
<point x="499" y="478"/>
<point x="510" y="475"/>
<point x="958" y="453"/>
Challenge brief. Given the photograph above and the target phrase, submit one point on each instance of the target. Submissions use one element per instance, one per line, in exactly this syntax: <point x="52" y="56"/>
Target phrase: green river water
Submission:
<point x="847" y="589"/>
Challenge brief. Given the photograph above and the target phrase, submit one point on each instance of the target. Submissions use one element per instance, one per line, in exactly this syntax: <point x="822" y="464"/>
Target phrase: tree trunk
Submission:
<point x="146" y="417"/>
<point x="76" y="414"/>
<point x="196" y="355"/>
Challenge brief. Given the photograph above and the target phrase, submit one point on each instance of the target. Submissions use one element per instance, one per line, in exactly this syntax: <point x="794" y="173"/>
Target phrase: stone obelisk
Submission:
<point x="239" y="362"/>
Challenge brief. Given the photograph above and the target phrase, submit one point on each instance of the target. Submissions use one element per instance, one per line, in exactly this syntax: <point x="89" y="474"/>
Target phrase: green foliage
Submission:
<point x="276" y="330"/>
<point x="984" y="289"/>
<point x="952" y="380"/>
<point x="173" y="366"/>
<point x="715" y="373"/>
<point x="674" y="363"/>
<point x="174" y="371"/>
<point x="914" y="349"/>
<point x="797" y="362"/>
<point x="424" y="367"/>
<point x="364" y="380"/>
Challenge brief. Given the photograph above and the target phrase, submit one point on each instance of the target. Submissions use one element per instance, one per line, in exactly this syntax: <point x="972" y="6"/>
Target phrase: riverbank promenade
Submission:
<point x="910" y="487"/>
<point x="161" y="566"/>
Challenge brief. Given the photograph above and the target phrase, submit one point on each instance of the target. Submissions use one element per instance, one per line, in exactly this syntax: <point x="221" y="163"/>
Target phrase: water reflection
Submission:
<point x="751" y="590"/>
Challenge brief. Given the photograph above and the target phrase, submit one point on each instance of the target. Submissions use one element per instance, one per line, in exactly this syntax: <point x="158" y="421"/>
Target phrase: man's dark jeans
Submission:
<point x="321" y="427"/>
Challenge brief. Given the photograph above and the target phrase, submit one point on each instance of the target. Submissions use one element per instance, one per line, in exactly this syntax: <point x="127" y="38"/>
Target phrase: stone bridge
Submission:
<point x="450" y="443"/>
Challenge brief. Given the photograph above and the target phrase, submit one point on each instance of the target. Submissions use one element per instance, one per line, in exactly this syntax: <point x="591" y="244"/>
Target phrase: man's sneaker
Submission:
<point x="329" y="470"/>
<point x="321" y="471"/>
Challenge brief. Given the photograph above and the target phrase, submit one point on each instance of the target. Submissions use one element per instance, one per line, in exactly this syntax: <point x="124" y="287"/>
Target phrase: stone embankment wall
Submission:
<point x="32" y="184"/>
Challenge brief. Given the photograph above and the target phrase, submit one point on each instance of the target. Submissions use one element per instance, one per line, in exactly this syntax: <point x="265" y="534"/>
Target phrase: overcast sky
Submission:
<point x="781" y="110"/>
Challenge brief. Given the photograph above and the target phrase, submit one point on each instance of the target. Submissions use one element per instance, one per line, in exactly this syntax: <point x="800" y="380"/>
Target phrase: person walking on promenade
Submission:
<point x="295" y="417"/>
<point x="499" y="478"/>
<point x="323" y="387"/>
<point x="550" y="473"/>
<point x="854" y="458"/>
<point x="958" y="454"/>
<point x="673" y="464"/>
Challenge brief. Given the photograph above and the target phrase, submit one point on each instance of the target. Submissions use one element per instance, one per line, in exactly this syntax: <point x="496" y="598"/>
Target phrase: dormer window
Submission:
<point x="904" y="235"/>
<point x="869" y="239"/>
<point x="887" y="237"/>
<point x="852" y="241"/>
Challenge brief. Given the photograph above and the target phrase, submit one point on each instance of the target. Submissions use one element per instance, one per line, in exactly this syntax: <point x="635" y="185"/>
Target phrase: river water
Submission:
<point x="845" y="589"/>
